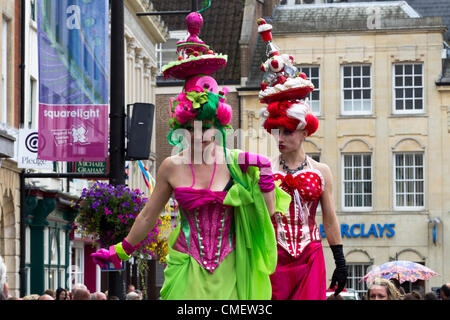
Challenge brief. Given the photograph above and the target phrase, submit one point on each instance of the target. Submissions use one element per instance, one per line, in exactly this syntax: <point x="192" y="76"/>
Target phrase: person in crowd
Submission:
<point x="300" y="273"/>
<point x="430" y="296"/>
<point x="46" y="296"/>
<point x="81" y="294"/>
<point x="335" y="297"/>
<point x="130" y="288"/>
<point x="139" y="292"/>
<point x="62" y="294"/>
<point x="132" y="296"/>
<point x="445" y="291"/>
<point x="98" y="296"/>
<point x="3" y="280"/>
<point x="33" y="296"/>
<point x="414" y="295"/>
<point x="51" y="293"/>
<point x="224" y="246"/>
<point x="382" y="289"/>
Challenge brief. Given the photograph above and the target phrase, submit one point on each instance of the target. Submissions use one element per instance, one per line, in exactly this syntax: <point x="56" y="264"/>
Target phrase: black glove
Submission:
<point x="340" y="273"/>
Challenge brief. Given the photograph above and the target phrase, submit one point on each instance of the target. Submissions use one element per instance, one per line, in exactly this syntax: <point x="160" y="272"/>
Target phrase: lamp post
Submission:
<point x="116" y="279"/>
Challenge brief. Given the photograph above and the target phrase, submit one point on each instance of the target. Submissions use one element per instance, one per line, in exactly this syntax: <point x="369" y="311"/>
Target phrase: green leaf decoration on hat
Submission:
<point x="197" y="98"/>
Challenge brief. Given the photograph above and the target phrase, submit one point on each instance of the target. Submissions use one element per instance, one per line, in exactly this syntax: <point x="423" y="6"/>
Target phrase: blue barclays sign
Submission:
<point x="359" y="230"/>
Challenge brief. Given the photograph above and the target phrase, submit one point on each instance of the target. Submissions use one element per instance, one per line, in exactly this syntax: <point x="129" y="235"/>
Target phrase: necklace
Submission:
<point x="292" y="171"/>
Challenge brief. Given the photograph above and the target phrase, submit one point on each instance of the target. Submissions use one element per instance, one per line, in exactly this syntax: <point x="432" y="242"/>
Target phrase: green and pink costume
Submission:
<point x="225" y="245"/>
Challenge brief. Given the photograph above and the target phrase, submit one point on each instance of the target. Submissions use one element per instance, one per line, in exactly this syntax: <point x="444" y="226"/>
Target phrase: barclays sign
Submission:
<point x="364" y="231"/>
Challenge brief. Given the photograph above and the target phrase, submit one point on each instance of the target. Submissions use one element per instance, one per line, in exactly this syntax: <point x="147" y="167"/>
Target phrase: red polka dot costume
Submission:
<point x="297" y="228"/>
<point x="300" y="273"/>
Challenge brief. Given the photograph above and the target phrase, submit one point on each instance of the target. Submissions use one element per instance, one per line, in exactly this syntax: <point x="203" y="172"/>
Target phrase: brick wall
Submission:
<point x="163" y="148"/>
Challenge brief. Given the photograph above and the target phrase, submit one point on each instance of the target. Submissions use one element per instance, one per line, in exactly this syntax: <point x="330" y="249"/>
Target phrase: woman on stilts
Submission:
<point x="224" y="246"/>
<point x="300" y="272"/>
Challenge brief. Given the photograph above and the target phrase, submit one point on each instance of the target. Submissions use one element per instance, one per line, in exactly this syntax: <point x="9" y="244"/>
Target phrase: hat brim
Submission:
<point x="205" y="65"/>
<point x="290" y="94"/>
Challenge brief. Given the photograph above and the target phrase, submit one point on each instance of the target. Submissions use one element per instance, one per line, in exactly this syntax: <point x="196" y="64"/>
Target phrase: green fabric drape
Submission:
<point x="244" y="273"/>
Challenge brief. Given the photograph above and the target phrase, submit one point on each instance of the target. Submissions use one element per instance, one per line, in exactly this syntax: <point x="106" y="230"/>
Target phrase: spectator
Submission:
<point x="139" y="292"/>
<point x="445" y="291"/>
<point x="82" y="294"/>
<point x="62" y="294"/>
<point x="132" y="296"/>
<point x="76" y="287"/>
<point x="113" y="298"/>
<point x="46" y="296"/>
<point x="3" y="279"/>
<point x="430" y="296"/>
<point x="98" y="296"/>
<point x="333" y="297"/>
<point x="130" y="288"/>
<point x="412" y="296"/>
<point x="51" y="293"/>
<point x="382" y="289"/>
<point x="31" y="297"/>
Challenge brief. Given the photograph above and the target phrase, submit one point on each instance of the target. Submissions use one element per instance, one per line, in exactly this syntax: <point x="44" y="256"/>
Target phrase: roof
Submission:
<point x="221" y="31"/>
<point x="429" y="8"/>
<point x="337" y="17"/>
<point x="360" y="16"/>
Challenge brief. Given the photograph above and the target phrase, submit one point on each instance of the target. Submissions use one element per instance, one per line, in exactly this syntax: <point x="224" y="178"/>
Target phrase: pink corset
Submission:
<point x="207" y="232"/>
<point x="297" y="228"/>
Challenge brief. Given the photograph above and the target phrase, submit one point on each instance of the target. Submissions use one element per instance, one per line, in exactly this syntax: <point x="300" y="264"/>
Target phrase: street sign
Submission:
<point x="27" y="151"/>
<point x="90" y="167"/>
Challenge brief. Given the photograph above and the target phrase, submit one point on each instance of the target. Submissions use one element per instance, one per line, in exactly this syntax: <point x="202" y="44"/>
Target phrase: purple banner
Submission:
<point x="73" y="132"/>
<point x="73" y="79"/>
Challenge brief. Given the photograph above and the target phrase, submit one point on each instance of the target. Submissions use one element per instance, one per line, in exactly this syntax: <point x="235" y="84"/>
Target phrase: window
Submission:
<point x="314" y="97"/>
<point x="408" y="88"/>
<point x="33" y="10"/>
<point x="357" y="182"/>
<point x="76" y="269"/>
<point x="355" y="273"/>
<point x="33" y="94"/>
<point x="409" y="181"/>
<point x="166" y="52"/>
<point x="4" y="115"/>
<point x="356" y="86"/>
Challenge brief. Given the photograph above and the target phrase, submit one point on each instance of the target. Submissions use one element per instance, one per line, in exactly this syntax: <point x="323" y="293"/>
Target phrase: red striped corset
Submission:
<point x="297" y="228"/>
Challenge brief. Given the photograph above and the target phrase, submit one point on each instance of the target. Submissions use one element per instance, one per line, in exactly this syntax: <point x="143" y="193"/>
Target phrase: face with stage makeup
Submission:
<point x="201" y="111"/>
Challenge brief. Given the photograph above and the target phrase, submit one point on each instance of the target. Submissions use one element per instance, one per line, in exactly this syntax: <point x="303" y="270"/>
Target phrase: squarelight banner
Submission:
<point x="73" y="79"/>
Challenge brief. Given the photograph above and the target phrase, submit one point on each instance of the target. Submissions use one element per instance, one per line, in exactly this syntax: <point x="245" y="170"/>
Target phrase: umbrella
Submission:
<point x="401" y="270"/>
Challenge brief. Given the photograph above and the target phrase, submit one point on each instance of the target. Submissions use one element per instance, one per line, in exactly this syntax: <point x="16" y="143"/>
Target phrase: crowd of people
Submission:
<point x="384" y="289"/>
<point x="78" y="292"/>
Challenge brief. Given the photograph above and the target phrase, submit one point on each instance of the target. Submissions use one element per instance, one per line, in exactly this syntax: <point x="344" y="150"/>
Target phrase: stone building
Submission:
<point x="9" y="122"/>
<point x="381" y="77"/>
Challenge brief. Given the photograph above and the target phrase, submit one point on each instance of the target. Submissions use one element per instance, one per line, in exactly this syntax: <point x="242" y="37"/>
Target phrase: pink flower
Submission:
<point x="184" y="112"/>
<point x="224" y="113"/>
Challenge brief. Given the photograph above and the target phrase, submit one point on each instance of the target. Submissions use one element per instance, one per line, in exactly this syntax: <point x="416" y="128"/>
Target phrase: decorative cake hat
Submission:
<point x="201" y="98"/>
<point x="194" y="56"/>
<point x="284" y="89"/>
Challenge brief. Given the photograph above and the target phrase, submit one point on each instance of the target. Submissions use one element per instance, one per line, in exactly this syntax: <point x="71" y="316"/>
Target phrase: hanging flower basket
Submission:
<point x="108" y="212"/>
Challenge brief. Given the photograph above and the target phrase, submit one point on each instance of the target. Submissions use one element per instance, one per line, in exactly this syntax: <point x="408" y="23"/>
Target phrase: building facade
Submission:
<point x="9" y="122"/>
<point x="383" y="127"/>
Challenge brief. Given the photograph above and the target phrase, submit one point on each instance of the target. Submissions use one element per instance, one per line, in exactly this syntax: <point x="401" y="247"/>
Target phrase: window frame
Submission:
<point x="353" y="112"/>
<point x="352" y="280"/>
<point x="394" y="87"/>
<point x="300" y="68"/>
<point x="173" y="35"/>
<point x="394" y="180"/>
<point x="343" y="181"/>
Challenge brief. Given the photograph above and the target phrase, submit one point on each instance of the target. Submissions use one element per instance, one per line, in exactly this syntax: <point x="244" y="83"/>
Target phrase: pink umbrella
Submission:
<point x="401" y="270"/>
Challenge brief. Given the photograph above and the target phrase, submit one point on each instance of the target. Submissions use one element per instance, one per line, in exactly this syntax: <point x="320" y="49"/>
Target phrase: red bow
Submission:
<point x="290" y="182"/>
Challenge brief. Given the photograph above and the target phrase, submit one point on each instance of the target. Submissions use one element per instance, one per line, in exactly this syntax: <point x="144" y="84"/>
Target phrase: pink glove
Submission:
<point x="266" y="181"/>
<point x="115" y="254"/>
